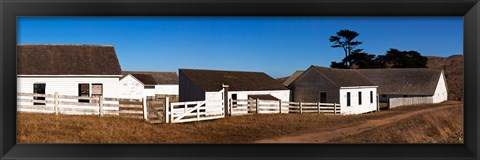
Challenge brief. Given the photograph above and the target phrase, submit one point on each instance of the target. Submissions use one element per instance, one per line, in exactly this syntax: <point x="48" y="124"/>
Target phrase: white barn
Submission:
<point x="138" y="84"/>
<point x="75" y="70"/>
<point x="418" y="85"/>
<point x="199" y="85"/>
<point x="353" y="92"/>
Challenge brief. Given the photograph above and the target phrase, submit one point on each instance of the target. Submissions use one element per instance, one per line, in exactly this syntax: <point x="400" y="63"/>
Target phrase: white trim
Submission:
<point x="358" y="87"/>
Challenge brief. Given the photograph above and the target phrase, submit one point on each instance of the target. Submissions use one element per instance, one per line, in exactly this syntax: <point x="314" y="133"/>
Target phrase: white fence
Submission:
<point x="180" y="112"/>
<point x="401" y="101"/>
<point x="256" y="106"/>
<point x="76" y="105"/>
<point x="177" y="112"/>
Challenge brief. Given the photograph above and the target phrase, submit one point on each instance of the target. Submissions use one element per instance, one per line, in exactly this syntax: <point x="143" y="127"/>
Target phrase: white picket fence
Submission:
<point x="401" y="101"/>
<point x="70" y="105"/>
<point x="256" y="106"/>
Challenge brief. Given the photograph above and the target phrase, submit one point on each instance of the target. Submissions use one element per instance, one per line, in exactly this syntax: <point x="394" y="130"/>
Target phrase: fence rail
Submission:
<point x="180" y="112"/>
<point x="401" y="101"/>
<point x="77" y="105"/>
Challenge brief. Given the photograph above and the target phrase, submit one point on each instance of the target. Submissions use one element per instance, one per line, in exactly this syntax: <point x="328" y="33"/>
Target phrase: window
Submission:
<point x="371" y="96"/>
<point x="234" y="97"/>
<point x="149" y="87"/>
<point x="359" y="98"/>
<point x="84" y="91"/>
<point x="38" y="88"/>
<point x="323" y="97"/>
<point x="348" y="98"/>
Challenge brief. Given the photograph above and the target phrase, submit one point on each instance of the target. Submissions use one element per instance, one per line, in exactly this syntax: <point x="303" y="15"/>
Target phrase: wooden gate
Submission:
<point x="156" y="110"/>
<point x="209" y="109"/>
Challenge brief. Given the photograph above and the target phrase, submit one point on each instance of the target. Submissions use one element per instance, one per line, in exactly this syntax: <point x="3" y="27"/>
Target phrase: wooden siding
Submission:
<point x="441" y="93"/>
<point x="68" y="85"/>
<point x="188" y="90"/>
<point x="130" y="87"/>
<point x="355" y="107"/>
<point x="308" y="86"/>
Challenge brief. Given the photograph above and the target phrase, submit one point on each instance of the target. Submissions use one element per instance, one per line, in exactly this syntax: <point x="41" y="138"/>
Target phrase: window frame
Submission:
<point x="359" y="97"/>
<point x="320" y="96"/>
<point x="34" y="92"/>
<point x="80" y="92"/>
<point x="349" y="99"/>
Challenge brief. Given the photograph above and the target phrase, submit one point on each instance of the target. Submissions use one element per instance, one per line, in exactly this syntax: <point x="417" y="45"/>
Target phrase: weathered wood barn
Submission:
<point x="199" y="85"/>
<point x="138" y="84"/>
<point x="76" y="70"/>
<point x="417" y="85"/>
<point x="353" y="92"/>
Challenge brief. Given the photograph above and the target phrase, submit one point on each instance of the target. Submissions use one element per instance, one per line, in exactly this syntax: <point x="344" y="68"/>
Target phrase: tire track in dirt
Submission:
<point x="322" y="137"/>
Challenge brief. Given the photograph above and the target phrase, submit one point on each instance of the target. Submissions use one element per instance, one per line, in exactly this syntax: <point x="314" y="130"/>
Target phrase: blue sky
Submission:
<point x="275" y="45"/>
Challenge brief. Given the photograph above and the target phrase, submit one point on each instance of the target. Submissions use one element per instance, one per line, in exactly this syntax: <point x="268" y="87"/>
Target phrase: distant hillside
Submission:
<point x="453" y="68"/>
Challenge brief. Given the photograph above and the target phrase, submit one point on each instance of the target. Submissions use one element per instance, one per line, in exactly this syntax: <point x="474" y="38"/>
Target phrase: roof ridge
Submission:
<point x="221" y="70"/>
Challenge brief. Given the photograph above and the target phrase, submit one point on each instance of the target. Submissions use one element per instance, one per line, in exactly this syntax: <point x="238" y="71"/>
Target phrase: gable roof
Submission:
<point x="67" y="60"/>
<point x="292" y="78"/>
<point x="403" y="81"/>
<point x="343" y="77"/>
<point x="212" y="80"/>
<point x="153" y="78"/>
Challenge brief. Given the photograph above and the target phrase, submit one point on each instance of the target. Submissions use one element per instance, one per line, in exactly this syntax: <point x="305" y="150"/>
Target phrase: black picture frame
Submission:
<point x="10" y="9"/>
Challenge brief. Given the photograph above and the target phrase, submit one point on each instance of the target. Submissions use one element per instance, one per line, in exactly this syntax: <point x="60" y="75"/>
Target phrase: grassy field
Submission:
<point x="44" y="128"/>
<point x="441" y="126"/>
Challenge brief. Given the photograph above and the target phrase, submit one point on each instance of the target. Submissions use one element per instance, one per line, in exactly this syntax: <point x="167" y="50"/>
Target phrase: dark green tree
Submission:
<point x="345" y="39"/>
<point x="360" y="59"/>
<point x="404" y="59"/>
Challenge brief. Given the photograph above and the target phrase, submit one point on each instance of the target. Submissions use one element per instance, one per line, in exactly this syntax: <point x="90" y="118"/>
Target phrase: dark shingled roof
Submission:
<point x="67" y="60"/>
<point x="154" y="78"/>
<point x="292" y="78"/>
<point x="212" y="80"/>
<point x="344" y="77"/>
<point x="403" y="81"/>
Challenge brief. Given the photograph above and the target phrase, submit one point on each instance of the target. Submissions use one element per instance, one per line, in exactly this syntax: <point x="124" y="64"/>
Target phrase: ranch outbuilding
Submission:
<point x="353" y="92"/>
<point x="138" y="84"/>
<point x="404" y="86"/>
<point x="220" y="86"/>
<point x="71" y="70"/>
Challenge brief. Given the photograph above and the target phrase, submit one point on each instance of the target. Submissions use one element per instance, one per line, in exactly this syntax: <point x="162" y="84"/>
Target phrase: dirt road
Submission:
<point x="322" y="137"/>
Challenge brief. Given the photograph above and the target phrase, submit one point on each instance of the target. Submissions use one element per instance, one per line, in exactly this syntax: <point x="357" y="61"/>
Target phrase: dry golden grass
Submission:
<point x="44" y="128"/>
<point x="441" y="126"/>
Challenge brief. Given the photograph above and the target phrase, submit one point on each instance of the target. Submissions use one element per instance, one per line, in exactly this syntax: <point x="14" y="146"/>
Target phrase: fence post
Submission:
<point x="280" y="106"/>
<point x="198" y="113"/>
<point x="166" y="110"/>
<point x="144" y="103"/>
<point x="378" y="103"/>
<point x="334" y="109"/>
<point x="230" y="108"/>
<point x="55" y="103"/>
<point x="256" y="106"/>
<point x="318" y="107"/>
<point x="100" y="105"/>
<point x="300" y="104"/>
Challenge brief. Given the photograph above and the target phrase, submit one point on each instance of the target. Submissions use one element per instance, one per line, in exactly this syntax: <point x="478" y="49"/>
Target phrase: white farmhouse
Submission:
<point x="199" y="85"/>
<point x="414" y="85"/>
<point x="353" y="92"/>
<point x="137" y="84"/>
<point x="75" y="70"/>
